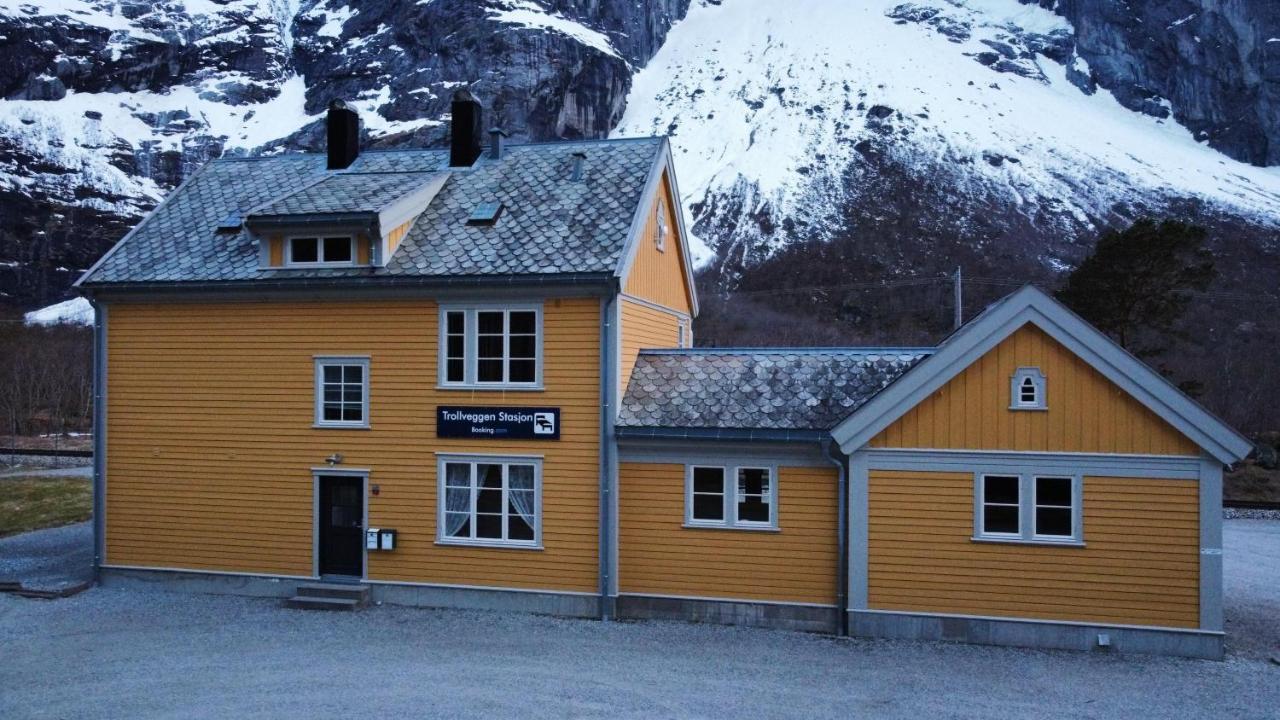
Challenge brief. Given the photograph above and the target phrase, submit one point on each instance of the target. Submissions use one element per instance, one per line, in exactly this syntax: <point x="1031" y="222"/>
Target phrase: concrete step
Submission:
<point x="359" y="593"/>
<point x="323" y="603"/>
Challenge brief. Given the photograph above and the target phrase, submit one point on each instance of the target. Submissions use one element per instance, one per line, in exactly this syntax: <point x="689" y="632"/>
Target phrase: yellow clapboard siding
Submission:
<point x="658" y="276"/>
<point x="1086" y="412"/>
<point x="1140" y="564"/>
<point x="211" y="444"/>
<point x="658" y="556"/>
<point x="644" y="327"/>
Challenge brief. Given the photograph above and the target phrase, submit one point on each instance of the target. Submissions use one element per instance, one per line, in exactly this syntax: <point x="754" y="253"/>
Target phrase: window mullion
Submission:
<point x="505" y="501"/>
<point x="506" y="346"/>
<point x="730" y="488"/>
<point x="475" y="492"/>
<point x="1027" y="506"/>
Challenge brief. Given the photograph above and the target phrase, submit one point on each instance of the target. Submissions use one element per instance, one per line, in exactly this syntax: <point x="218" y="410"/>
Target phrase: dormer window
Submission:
<point x="660" y="237"/>
<point x="320" y="251"/>
<point x="1026" y="390"/>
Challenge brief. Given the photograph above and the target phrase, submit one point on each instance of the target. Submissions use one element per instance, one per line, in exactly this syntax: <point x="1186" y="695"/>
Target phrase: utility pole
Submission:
<point x="959" y="293"/>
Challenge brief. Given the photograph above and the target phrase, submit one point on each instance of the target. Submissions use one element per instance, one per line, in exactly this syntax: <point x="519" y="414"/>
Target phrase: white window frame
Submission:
<point x="320" y="261"/>
<point x="662" y="229"/>
<point x="472" y="346"/>
<point x="1037" y="378"/>
<point x="322" y="361"/>
<point x="730" y="513"/>
<point x="1027" y="507"/>
<point x="505" y="461"/>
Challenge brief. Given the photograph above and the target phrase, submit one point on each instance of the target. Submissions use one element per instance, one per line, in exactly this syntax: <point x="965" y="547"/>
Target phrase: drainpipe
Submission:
<point x="842" y="534"/>
<point x="608" y="488"/>
<point x="99" y="433"/>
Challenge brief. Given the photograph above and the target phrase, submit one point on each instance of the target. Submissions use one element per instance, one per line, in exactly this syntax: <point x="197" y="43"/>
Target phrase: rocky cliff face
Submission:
<point x="109" y="105"/>
<point x="905" y="136"/>
<point x="1214" y="65"/>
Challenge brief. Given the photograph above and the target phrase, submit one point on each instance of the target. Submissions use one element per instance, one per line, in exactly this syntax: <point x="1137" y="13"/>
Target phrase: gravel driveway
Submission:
<point x="117" y="653"/>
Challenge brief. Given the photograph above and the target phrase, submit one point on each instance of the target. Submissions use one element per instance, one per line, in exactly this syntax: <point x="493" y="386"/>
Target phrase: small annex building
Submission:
<point x="465" y="377"/>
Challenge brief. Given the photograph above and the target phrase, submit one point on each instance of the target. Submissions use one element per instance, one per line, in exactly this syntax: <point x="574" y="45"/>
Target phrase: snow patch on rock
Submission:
<point x="76" y="311"/>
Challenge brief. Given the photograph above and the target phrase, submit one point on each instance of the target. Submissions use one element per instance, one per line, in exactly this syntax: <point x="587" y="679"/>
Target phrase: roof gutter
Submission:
<point x="764" y="434"/>
<point x="603" y="280"/>
<point x="360" y="219"/>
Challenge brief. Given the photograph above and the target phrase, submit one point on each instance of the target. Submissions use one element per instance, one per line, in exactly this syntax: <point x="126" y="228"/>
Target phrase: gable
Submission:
<point x="1085" y="412"/>
<point x="659" y="275"/>
<point x="1000" y="321"/>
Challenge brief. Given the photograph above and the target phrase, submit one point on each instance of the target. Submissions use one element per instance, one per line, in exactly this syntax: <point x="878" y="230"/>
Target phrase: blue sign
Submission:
<point x="501" y="423"/>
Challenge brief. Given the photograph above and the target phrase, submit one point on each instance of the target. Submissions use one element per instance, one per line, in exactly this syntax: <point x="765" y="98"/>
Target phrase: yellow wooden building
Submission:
<point x="465" y="378"/>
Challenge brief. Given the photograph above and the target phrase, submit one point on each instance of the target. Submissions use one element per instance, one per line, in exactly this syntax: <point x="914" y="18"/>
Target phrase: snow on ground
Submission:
<point x="76" y="311"/>
<point x="771" y="94"/>
<point x="114" y="652"/>
<point x="531" y="15"/>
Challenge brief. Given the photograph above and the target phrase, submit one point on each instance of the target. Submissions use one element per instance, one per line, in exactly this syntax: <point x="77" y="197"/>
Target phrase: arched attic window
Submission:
<point x="1027" y="390"/>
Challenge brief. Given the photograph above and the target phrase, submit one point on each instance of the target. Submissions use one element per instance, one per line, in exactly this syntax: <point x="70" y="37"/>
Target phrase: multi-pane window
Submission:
<point x="342" y="392"/>
<point x="335" y="250"/>
<point x="486" y="347"/>
<point x="1055" y="509"/>
<point x="1028" y="507"/>
<point x="1000" y="505"/>
<point x="1027" y="389"/>
<point x="489" y="501"/>
<point x="728" y="496"/>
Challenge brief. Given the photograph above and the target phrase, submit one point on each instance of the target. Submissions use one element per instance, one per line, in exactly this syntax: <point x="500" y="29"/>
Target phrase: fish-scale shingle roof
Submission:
<point x="550" y="223"/>
<point x="774" y="389"/>
<point x="365" y="192"/>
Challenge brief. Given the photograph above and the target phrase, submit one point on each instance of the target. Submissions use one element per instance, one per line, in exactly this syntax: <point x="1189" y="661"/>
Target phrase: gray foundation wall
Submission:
<point x="1048" y="635"/>
<point x="804" y="618"/>
<point x="543" y="603"/>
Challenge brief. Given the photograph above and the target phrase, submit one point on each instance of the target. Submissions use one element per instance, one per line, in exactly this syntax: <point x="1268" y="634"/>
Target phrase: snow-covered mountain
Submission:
<point x="881" y="138"/>
<point x="975" y="125"/>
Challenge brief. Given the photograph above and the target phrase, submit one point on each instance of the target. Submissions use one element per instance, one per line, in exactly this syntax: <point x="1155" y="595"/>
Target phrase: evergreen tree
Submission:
<point x="1138" y="282"/>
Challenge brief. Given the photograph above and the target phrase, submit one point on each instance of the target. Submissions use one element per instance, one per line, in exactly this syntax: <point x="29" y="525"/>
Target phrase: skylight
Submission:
<point x="485" y="214"/>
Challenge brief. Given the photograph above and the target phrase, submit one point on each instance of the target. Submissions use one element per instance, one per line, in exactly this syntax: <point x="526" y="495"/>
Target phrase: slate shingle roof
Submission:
<point x="773" y="389"/>
<point x="550" y="224"/>
<point x="348" y="193"/>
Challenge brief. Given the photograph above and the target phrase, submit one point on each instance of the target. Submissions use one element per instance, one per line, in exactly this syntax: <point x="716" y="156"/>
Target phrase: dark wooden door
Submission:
<point x="341" y="525"/>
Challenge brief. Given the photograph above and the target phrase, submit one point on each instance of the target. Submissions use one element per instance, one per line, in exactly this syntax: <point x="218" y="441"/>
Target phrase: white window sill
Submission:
<point x="1024" y="541"/>
<point x="727" y="526"/>
<point x="1030" y="408"/>
<point x="490" y="386"/>
<point x="492" y="544"/>
<point x="337" y="426"/>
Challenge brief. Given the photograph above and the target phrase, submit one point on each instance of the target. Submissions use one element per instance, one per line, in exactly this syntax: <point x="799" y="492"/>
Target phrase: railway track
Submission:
<point x="33" y="452"/>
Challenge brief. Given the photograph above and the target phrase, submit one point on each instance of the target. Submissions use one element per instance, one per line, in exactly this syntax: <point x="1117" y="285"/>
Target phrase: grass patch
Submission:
<point x="32" y="503"/>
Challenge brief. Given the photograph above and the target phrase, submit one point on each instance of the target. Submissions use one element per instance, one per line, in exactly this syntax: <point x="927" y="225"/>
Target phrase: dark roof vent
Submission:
<point x="466" y="130"/>
<point x="343" y="126"/>
<point x="485" y="214"/>
<point x="579" y="158"/>
<point x="230" y="223"/>
<point x="496" y="136"/>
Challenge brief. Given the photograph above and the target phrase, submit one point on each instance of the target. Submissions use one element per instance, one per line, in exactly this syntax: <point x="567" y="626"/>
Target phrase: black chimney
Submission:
<point x="467" y="130"/>
<point x="344" y="135"/>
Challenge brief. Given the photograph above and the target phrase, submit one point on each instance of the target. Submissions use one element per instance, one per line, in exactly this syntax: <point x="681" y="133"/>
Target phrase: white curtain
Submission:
<point x="457" y="503"/>
<point x="520" y="490"/>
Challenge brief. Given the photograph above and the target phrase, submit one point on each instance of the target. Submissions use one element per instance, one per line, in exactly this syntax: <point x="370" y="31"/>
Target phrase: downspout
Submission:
<point x="99" y="433"/>
<point x="608" y="391"/>
<point x="842" y="535"/>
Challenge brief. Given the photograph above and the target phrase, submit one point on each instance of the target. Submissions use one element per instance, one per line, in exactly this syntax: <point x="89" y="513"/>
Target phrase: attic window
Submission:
<point x="1026" y="389"/>
<point x="485" y="214"/>
<point x="319" y="251"/>
<point x="660" y="237"/>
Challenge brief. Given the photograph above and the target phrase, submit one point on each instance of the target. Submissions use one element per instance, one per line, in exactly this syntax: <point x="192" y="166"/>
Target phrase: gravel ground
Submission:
<point x="47" y="559"/>
<point x="115" y="653"/>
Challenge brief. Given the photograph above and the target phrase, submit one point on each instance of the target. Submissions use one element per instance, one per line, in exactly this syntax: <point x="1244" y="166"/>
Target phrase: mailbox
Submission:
<point x="371" y="539"/>
<point x="387" y="540"/>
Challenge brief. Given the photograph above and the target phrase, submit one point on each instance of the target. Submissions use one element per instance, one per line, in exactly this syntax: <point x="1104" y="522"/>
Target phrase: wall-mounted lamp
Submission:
<point x="334" y="459"/>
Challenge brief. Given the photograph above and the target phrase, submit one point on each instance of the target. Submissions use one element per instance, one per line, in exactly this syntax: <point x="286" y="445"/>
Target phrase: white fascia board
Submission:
<point x="1031" y="305"/>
